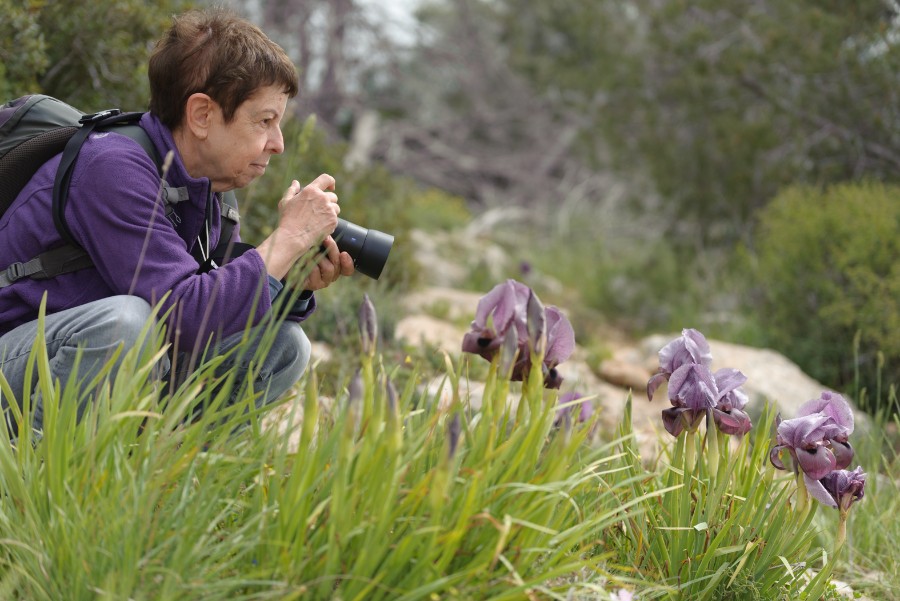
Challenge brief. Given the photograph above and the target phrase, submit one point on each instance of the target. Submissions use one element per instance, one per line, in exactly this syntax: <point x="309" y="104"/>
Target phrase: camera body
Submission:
<point x="368" y="248"/>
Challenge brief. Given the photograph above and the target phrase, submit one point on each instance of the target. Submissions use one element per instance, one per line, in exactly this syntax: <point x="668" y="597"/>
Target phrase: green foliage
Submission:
<point x="436" y="210"/>
<point x="23" y="51"/>
<point x="90" y="54"/>
<point x="725" y="528"/>
<point x="374" y="496"/>
<point x="825" y="272"/>
<point x="720" y="103"/>
<point x="369" y="500"/>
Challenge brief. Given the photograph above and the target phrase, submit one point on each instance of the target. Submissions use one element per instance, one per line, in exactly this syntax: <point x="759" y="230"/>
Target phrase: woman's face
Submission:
<point x="238" y="152"/>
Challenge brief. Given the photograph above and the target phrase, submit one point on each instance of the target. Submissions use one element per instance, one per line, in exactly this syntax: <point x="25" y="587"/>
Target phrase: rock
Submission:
<point x="624" y="374"/>
<point x="430" y="331"/>
<point x="444" y="303"/>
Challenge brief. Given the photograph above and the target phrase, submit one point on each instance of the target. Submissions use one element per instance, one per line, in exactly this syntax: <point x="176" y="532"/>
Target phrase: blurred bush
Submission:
<point x="825" y="271"/>
<point x="92" y="55"/>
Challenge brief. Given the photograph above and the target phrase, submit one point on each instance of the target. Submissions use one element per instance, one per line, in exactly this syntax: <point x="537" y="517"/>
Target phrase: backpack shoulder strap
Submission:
<point x="47" y="265"/>
<point x="89" y="123"/>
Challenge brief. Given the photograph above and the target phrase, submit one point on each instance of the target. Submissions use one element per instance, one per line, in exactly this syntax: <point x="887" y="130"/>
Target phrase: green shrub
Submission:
<point x="825" y="271"/>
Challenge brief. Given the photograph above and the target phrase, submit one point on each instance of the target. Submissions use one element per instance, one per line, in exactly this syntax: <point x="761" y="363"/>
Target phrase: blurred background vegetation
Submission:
<point x="717" y="164"/>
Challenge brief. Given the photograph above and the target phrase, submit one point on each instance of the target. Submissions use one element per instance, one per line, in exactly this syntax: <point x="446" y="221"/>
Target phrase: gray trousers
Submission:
<point x="97" y="329"/>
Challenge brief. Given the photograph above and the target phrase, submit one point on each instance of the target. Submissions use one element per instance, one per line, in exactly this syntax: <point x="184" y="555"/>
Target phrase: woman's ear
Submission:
<point x="198" y="114"/>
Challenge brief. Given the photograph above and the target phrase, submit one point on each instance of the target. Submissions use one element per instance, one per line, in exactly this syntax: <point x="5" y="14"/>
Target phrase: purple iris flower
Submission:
<point x="503" y="312"/>
<point x="695" y="391"/>
<point x="690" y="348"/>
<point x="841" y="488"/>
<point x="692" y="392"/>
<point x="838" y="409"/>
<point x="729" y="413"/>
<point x="816" y="440"/>
<point x="504" y="306"/>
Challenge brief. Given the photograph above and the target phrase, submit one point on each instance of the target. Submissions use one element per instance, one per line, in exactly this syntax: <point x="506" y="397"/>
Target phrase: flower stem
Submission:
<point x="802" y="494"/>
<point x="841" y="533"/>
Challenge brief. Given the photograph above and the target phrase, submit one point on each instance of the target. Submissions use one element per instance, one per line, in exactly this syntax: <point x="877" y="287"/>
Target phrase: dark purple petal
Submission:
<point x="482" y="342"/>
<point x="672" y="421"/>
<point x="734" y="422"/>
<point x="833" y="405"/>
<point x="692" y="386"/>
<point x="817" y="491"/>
<point x="560" y="337"/>
<point x="843" y="454"/>
<point x="816" y="461"/>
<point x="677" y="419"/>
<point x="690" y="347"/>
<point x="845" y="487"/>
<point x="775" y="456"/>
<point x="552" y="378"/>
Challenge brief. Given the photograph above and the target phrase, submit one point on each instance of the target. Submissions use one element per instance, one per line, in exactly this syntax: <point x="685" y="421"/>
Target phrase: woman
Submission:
<point x="219" y="90"/>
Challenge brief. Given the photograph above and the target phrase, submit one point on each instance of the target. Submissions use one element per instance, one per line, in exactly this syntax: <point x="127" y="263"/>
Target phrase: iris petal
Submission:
<point x="560" y="337"/>
<point x="775" y="456"/>
<point x="672" y="421"/>
<point x="690" y="347"/>
<point x="843" y="454"/>
<point x="735" y="422"/>
<point x="833" y="405"/>
<point x="818" y="492"/>
<point x="816" y="462"/>
<point x="692" y="386"/>
<point x="655" y="382"/>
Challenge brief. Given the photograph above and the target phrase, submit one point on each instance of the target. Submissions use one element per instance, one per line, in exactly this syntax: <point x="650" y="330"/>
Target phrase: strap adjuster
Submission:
<point x="95" y="117"/>
<point x="14" y="272"/>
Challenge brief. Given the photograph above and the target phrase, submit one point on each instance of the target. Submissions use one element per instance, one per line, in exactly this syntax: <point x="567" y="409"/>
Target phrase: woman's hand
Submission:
<point x="330" y="267"/>
<point x="306" y="216"/>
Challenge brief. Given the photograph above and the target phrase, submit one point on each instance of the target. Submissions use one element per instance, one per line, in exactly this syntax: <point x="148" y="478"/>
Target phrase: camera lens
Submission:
<point x="369" y="249"/>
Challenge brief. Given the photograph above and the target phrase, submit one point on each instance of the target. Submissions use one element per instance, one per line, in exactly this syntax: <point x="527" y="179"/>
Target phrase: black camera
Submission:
<point x="369" y="249"/>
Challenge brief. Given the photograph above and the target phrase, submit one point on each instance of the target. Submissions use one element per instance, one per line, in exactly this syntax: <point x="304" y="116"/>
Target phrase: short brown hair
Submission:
<point x="218" y="53"/>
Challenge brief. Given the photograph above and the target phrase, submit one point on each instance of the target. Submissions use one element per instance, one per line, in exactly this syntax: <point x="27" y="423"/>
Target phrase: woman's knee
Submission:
<point x="288" y="358"/>
<point x="124" y="319"/>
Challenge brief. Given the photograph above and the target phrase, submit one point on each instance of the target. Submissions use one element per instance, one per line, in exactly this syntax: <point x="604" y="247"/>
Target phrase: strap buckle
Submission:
<point x="14" y="272"/>
<point x="95" y="117"/>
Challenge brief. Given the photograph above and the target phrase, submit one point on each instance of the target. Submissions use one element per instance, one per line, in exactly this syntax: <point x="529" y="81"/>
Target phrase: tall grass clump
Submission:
<point x="387" y="493"/>
<point x="390" y="495"/>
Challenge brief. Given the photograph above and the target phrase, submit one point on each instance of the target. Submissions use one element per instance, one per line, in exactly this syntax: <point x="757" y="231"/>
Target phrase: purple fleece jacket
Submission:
<point x="113" y="213"/>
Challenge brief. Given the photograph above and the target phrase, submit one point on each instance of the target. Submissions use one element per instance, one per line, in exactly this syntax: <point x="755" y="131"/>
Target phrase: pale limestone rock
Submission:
<point x="430" y="332"/>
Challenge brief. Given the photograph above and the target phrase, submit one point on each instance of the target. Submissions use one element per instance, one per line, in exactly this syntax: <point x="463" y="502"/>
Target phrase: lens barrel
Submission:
<point x="369" y="249"/>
